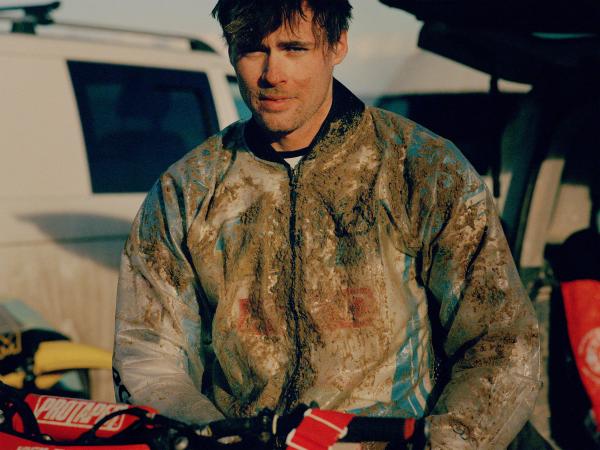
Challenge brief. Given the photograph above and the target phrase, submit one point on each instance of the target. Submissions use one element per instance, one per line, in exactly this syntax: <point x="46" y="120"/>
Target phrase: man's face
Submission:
<point x="286" y="79"/>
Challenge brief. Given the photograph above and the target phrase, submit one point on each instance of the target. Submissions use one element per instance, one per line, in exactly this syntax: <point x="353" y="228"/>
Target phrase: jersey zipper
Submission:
<point x="288" y="396"/>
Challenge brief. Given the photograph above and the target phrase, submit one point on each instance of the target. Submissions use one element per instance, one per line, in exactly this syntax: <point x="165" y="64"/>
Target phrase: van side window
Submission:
<point x="137" y="121"/>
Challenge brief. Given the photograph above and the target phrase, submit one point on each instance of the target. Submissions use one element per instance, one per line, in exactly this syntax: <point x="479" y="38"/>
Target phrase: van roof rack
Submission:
<point x="34" y="15"/>
<point x="194" y="42"/>
<point x="40" y="15"/>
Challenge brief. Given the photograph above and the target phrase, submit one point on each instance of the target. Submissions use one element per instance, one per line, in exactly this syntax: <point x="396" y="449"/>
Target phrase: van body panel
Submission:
<point x="42" y="47"/>
<point x="66" y="219"/>
<point x="42" y="144"/>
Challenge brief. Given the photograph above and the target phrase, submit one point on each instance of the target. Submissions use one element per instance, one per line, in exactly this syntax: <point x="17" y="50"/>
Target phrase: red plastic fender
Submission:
<point x="582" y="309"/>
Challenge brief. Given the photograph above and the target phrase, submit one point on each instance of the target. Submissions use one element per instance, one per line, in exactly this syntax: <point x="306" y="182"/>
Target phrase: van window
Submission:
<point x="137" y="121"/>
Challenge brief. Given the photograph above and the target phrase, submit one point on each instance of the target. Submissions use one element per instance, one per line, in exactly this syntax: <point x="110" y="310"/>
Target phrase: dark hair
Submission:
<point x="249" y="21"/>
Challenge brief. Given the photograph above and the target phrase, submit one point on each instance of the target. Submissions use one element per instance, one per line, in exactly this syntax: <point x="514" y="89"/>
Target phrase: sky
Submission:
<point x="380" y="37"/>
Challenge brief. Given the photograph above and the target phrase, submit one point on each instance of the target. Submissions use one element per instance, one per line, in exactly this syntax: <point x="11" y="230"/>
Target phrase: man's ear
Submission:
<point x="340" y="48"/>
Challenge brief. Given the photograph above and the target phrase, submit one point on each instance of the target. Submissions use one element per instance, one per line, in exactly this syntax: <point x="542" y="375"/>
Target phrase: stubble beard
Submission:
<point x="283" y="123"/>
<point x="280" y="124"/>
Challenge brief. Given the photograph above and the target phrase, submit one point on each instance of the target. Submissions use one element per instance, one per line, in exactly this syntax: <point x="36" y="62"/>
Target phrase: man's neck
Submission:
<point x="303" y="136"/>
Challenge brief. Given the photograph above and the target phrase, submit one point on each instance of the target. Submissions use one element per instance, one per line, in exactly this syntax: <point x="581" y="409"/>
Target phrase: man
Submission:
<point x="252" y="280"/>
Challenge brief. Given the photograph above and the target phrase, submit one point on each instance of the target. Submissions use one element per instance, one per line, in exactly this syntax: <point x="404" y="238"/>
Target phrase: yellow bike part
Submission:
<point x="54" y="357"/>
<point x="16" y="380"/>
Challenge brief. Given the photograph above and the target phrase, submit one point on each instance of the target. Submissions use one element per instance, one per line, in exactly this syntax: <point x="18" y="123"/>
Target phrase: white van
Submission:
<point x="89" y="118"/>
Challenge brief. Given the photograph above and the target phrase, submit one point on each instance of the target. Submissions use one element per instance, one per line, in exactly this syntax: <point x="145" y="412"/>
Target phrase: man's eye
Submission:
<point x="296" y="49"/>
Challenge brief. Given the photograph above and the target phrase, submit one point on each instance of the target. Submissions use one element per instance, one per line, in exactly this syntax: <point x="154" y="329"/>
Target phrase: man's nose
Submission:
<point x="274" y="70"/>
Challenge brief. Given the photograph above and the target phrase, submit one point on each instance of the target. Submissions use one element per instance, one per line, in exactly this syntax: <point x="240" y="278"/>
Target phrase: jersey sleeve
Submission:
<point x="158" y="340"/>
<point x="490" y="332"/>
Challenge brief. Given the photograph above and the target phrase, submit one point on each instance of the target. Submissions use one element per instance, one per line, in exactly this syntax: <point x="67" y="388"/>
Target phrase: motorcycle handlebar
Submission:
<point x="360" y="429"/>
<point x="265" y="430"/>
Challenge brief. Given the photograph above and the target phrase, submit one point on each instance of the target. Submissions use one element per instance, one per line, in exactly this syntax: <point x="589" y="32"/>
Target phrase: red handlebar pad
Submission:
<point x="66" y="419"/>
<point x="319" y="430"/>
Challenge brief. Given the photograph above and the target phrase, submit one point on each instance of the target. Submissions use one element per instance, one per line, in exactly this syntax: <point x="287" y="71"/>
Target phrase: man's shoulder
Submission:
<point x="206" y="159"/>
<point x="225" y="141"/>
<point x="417" y="141"/>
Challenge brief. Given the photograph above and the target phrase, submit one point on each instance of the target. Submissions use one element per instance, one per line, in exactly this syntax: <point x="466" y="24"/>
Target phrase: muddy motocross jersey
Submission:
<point x="247" y="284"/>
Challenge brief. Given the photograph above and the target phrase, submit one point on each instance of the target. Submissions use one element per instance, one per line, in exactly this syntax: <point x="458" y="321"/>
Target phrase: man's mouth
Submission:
<point x="274" y="102"/>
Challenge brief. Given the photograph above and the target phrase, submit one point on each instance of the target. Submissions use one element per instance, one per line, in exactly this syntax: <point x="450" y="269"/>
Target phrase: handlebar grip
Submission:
<point x="237" y="426"/>
<point x="360" y="429"/>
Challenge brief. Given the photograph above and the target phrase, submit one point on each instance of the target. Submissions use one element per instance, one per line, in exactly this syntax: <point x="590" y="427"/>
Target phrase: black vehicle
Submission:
<point x="541" y="151"/>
